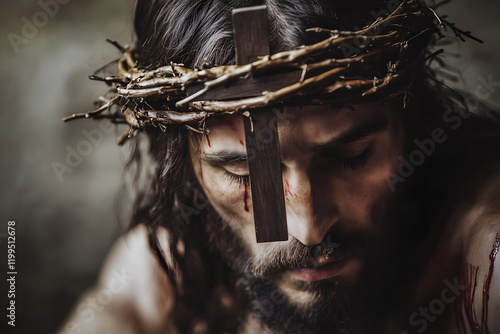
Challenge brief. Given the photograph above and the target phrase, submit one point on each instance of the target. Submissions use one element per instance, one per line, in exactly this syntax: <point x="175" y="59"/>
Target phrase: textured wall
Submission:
<point x="64" y="229"/>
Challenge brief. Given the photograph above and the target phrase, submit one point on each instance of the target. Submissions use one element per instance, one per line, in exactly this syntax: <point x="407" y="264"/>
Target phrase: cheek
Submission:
<point x="231" y="201"/>
<point x="363" y="195"/>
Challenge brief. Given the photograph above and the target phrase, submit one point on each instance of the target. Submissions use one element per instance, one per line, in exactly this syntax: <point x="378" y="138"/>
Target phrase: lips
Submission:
<point x="322" y="269"/>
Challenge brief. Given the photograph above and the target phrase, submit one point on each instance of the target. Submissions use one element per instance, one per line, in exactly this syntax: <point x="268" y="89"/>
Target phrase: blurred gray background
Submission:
<point x="65" y="226"/>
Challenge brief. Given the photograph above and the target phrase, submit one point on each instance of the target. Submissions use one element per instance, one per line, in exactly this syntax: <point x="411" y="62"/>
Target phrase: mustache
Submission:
<point x="282" y="256"/>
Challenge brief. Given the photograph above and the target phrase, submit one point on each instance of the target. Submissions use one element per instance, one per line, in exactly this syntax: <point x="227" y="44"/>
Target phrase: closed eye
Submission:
<point x="236" y="178"/>
<point x="352" y="156"/>
<point x="355" y="162"/>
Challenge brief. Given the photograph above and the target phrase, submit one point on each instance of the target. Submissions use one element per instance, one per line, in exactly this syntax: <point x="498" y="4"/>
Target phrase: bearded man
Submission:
<point x="391" y="202"/>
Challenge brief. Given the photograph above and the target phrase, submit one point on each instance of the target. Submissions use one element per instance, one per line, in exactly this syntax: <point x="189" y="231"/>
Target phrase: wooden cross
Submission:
<point x="251" y="39"/>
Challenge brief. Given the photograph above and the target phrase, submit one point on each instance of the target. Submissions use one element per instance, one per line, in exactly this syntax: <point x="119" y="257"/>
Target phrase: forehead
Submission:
<point x="306" y="126"/>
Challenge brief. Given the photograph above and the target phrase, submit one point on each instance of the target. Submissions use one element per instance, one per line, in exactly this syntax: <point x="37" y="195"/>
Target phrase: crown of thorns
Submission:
<point x="375" y="62"/>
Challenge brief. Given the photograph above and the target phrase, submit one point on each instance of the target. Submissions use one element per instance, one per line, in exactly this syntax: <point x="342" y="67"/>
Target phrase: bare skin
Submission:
<point x="140" y="293"/>
<point x="480" y="225"/>
<point x="325" y="183"/>
<point x="342" y="185"/>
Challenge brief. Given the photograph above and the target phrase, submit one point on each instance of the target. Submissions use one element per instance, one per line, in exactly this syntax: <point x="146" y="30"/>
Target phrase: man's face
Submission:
<point x="334" y="166"/>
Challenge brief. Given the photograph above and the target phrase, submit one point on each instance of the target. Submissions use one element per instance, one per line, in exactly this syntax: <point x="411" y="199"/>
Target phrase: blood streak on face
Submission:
<point x="287" y="189"/>
<point x="334" y="164"/>
<point x="201" y="172"/>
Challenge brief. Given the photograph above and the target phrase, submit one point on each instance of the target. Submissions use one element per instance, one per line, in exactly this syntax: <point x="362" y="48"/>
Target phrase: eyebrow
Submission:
<point x="358" y="132"/>
<point x="226" y="157"/>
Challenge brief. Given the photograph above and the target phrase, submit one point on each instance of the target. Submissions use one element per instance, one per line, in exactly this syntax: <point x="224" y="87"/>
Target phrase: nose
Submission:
<point x="309" y="208"/>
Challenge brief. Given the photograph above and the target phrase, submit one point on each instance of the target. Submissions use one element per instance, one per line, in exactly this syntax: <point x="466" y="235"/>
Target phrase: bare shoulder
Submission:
<point x="133" y="267"/>
<point x="482" y="258"/>
<point x="482" y="219"/>
<point x="132" y="295"/>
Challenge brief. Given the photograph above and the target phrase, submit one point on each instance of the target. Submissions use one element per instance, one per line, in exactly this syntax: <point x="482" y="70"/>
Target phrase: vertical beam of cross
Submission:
<point x="251" y="39"/>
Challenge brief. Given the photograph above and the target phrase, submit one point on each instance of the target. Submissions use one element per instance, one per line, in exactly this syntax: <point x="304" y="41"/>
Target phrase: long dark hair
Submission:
<point x="195" y="32"/>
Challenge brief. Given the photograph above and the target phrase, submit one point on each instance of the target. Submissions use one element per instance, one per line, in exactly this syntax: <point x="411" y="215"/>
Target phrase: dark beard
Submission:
<point x="277" y="313"/>
<point x="333" y="308"/>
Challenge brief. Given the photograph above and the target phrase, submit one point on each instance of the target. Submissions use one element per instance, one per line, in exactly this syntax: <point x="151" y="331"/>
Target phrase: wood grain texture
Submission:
<point x="251" y="36"/>
<point x="264" y="166"/>
<point x="264" y="163"/>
